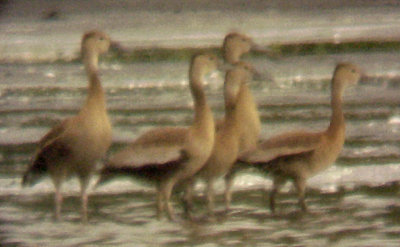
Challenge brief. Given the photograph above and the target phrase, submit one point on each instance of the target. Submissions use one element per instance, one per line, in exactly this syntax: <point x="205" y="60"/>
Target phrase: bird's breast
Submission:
<point x="92" y="136"/>
<point x="325" y="155"/>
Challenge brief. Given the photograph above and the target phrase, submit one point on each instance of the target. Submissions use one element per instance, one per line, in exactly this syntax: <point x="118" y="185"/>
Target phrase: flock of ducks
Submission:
<point x="173" y="157"/>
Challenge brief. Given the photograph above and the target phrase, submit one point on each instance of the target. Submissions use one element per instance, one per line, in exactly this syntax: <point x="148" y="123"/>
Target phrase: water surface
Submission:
<point x="353" y="203"/>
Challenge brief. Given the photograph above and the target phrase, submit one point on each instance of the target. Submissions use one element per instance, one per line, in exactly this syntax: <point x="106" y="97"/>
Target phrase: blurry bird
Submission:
<point x="75" y="145"/>
<point x="249" y="126"/>
<point x="300" y="155"/>
<point x="227" y="139"/>
<point x="171" y="155"/>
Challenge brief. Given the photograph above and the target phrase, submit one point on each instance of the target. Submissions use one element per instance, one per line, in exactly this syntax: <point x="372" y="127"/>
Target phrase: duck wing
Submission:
<point x="55" y="132"/>
<point x="283" y="145"/>
<point x="53" y="153"/>
<point x="152" y="156"/>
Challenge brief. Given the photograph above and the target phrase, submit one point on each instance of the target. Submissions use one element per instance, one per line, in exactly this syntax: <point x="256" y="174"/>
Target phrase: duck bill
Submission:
<point x="262" y="76"/>
<point x="261" y="49"/>
<point x="117" y="47"/>
<point x="367" y="79"/>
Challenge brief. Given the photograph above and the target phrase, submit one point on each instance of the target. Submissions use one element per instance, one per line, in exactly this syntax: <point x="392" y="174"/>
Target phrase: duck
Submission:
<point x="77" y="144"/>
<point x="299" y="155"/>
<point x="235" y="45"/>
<point x="170" y="155"/>
<point x="227" y="139"/>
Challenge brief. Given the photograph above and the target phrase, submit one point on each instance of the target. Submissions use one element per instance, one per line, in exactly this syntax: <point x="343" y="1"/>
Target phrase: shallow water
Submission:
<point x="353" y="203"/>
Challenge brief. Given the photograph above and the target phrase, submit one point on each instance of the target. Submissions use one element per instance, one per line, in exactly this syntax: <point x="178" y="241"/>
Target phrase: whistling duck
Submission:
<point x="234" y="46"/>
<point x="300" y="155"/>
<point x="75" y="145"/>
<point x="171" y="155"/>
<point x="227" y="140"/>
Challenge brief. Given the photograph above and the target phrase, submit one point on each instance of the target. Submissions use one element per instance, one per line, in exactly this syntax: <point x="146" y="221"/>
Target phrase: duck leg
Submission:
<point x="278" y="183"/>
<point x="228" y="189"/>
<point x="84" y="182"/>
<point x="160" y="202"/>
<point x="187" y="199"/>
<point x="210" y="196"/>
<point x="300" y="185"/>
<point x="58" y="199"/>
<point x="58" y="179"/>
<point x="167" y="191"/>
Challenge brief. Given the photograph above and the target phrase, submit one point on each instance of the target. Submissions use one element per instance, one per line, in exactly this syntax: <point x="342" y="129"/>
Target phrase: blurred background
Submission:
<point x="354" y="203"/>
<point x="44" y="30"/>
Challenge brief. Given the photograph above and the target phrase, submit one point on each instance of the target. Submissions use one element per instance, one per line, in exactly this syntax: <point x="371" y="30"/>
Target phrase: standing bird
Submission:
<point x="235" y="45"/>
<point x="75" y="145"/>
<point x="300" y="155"/>
<point x="171" y="155"/>
<point x="227" y="139"/>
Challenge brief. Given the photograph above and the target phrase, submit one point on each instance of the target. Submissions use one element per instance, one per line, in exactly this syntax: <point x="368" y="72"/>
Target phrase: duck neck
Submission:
<point x="234" y="109"/>
<point x="337" y="118"/>
<point x="232" y="55"/>
<point x="248" y="111"/>
<point x="231" y="118"/>
<point x="246" y="100"/>
<point x="202" y="112"/>
<point x="95" y="98"/>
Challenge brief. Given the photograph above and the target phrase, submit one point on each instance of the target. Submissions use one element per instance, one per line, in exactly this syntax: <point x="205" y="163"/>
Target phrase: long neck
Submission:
<point x="202" y="111"/>
<point x="231" y="118"/>
<point x="248" y="111"/>
<point x="95" y="98"/>
<point x="232" y="55"/>
<point x="246" y="100"/>
<point x="337" y="118"/>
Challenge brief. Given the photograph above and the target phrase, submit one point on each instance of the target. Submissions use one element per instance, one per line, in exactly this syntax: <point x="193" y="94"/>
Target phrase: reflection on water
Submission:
<point x="362" y="216"/>
<point x="354" y="203"/>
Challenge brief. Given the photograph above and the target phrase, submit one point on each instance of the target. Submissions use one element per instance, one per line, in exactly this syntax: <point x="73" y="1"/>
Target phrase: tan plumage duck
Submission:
<point x="167" y="156"/>
<point x="300" y="155"/>
<point x="227" y="140"/>
<point x="248" y="126"/>
<point x="75" y="145"/>
<point x="235" y="45"/>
